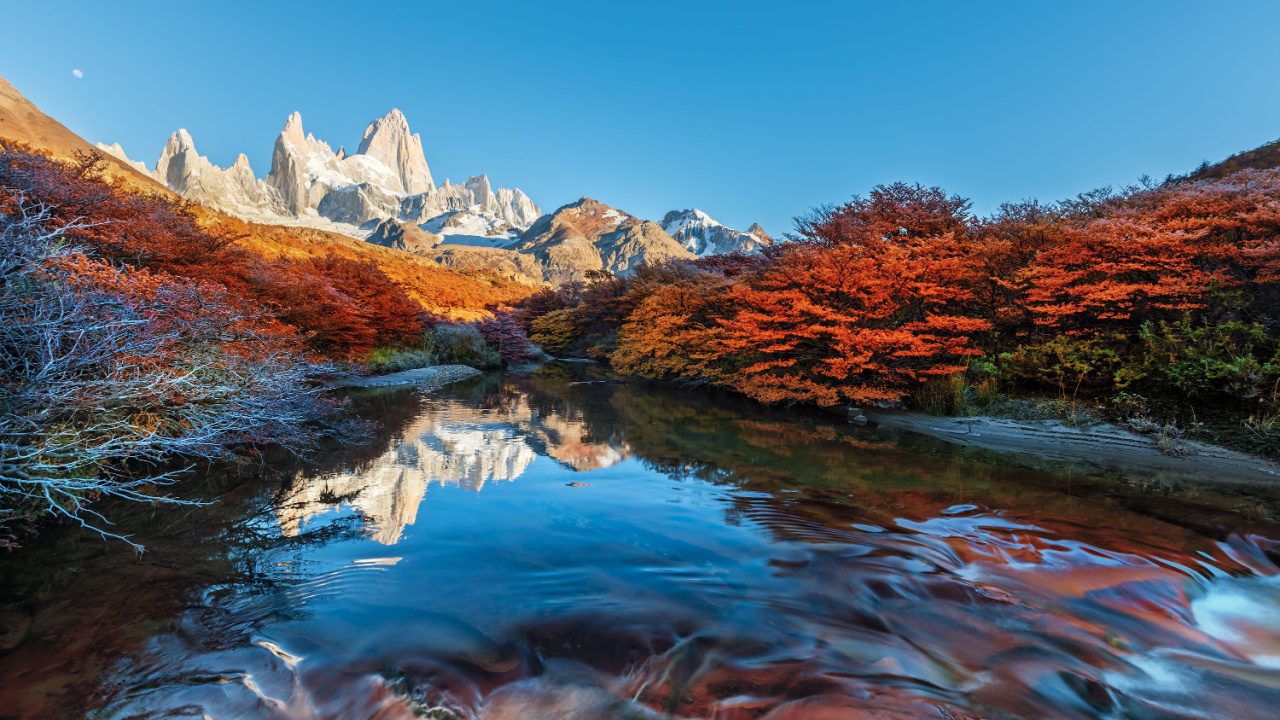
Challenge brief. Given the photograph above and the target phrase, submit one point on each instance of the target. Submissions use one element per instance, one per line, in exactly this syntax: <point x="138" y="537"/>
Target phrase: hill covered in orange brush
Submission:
<point x="437" y="289"/>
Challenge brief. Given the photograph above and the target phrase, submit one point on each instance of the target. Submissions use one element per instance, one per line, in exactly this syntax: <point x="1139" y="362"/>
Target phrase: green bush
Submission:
<point x="462" y="344"/>
<point x="1069" y="363"/>
<point x="1228" y="361"/>
<point x="556" y="331"/>
<point x="389" y="360"/>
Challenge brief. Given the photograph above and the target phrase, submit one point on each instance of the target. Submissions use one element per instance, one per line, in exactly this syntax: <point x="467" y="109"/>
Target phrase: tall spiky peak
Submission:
<point x="389" y="140"/>
<point x="293" y="129"/>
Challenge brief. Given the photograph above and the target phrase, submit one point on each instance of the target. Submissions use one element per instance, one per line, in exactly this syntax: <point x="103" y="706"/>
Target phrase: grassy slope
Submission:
<point x="441" y="290"/>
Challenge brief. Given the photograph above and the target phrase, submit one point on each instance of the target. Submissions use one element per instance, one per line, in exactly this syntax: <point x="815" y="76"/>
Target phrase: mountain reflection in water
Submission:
<point x="559" y="545"/>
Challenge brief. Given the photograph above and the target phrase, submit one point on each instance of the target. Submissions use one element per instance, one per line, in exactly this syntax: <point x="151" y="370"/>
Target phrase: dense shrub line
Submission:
<point x="1158" y="300"/>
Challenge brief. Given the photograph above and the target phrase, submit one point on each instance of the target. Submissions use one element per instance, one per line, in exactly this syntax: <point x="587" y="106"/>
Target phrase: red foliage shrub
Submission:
<point x="505" y="334"/>
<point x="345" y="307"/>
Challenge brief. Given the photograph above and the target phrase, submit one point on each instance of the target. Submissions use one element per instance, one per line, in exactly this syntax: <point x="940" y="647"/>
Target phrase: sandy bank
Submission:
<point x="1100" y="446"/>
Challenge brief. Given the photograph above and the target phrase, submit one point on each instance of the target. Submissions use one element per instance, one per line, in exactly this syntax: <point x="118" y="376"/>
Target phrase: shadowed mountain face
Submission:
<point x="565" y="544"/>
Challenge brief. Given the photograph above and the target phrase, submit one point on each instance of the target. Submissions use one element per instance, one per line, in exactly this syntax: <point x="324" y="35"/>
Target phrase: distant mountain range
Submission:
<point x="384" y="192"/>
<point x="441" y="290"/>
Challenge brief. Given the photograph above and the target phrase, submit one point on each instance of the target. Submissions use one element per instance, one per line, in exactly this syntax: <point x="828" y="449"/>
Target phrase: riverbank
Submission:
<point x="428" y="379"/>
<point x="1101" y="446"/>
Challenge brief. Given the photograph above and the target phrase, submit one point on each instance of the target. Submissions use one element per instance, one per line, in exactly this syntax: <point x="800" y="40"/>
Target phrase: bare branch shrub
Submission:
<point x="111" y="379"/>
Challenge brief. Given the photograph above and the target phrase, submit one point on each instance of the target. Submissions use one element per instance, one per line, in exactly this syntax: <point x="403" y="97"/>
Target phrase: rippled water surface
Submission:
<point x="561" y="545"/>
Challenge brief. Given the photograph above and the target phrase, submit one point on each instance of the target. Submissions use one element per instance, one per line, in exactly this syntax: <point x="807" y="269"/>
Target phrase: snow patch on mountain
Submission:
<point x="472" y="227"/>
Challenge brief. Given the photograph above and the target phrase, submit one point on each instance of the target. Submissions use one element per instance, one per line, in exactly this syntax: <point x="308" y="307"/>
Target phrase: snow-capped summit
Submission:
<point x="703" y="235"/>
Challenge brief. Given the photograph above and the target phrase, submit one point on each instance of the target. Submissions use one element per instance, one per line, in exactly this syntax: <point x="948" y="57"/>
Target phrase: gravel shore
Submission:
<point x="427" y="379"/>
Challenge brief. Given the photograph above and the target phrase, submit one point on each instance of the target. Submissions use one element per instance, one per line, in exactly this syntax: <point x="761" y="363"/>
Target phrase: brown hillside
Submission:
<point x="439" y="289"/>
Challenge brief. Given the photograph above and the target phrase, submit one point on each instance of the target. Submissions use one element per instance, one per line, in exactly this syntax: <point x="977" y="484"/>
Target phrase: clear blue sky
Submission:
<point x="749" y="110"/>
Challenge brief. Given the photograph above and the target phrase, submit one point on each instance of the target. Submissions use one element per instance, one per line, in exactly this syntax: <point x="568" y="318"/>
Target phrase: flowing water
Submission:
<point x="563" y="545"/>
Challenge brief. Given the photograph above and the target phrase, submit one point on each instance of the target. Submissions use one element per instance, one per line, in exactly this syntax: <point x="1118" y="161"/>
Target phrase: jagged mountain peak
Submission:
<point x="293" y="131"/>
<point x="759" y="232"/>
<point x="390" y="140"/>
<point x="234" y="189"/>
<point x="181" y="140"/>
<point x="386" y="178"/>
<point x="404" y="236"/>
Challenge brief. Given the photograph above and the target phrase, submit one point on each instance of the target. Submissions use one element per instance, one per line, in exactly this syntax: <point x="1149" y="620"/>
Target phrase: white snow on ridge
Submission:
<point x="703" y="235"/>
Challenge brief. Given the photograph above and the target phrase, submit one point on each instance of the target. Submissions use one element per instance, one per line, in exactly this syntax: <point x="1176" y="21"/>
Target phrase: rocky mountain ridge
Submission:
<point x="384" y="193"/>
<point x="310" y="184"/>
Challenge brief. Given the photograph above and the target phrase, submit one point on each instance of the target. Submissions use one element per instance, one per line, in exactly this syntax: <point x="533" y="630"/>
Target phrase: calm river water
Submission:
<point x="563" y="545"/>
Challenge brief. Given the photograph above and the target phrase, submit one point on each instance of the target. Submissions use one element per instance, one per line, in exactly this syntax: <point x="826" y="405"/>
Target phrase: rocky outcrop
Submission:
<point x="474" y="260"/>
<point x="703" y="235"/>
<point x="358" y="204"/>
<point x="590" y="236"/>
<point x="404" y="236"/>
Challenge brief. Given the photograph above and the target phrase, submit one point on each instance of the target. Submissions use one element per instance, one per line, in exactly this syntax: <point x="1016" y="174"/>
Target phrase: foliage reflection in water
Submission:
<point x="562" y="545"/>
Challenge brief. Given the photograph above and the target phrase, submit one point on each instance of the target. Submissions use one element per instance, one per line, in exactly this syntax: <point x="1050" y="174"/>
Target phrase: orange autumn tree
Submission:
<point x="674" y="332"/>
<point x="1157" y="255"/>
<point x="1115" y="273"/>
<point x="870" y="301"/>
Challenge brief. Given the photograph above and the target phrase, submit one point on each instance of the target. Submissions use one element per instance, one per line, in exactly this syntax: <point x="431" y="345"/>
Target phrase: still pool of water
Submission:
<point x="563" y="545"/>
